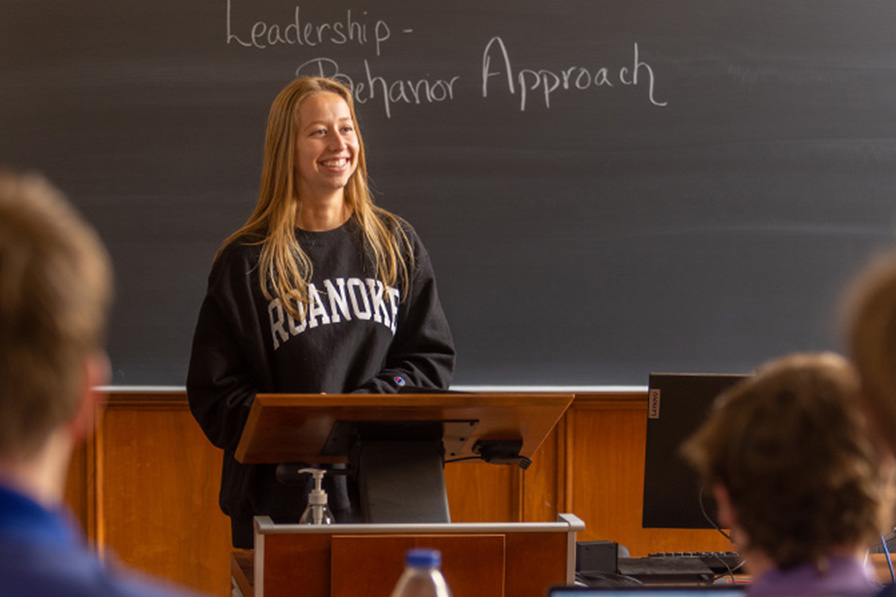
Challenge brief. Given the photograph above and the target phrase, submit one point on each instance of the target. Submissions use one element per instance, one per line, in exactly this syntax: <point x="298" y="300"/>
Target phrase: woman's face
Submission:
<point x="327" y="145"/>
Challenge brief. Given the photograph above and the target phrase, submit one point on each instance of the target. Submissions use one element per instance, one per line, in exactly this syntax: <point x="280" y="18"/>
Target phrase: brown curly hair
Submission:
<point x="791" y="448"/>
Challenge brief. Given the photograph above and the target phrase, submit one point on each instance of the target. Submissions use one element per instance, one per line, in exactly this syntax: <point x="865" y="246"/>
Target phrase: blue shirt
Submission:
<point x="42" y="554"/>
<point x="845" y="577"/>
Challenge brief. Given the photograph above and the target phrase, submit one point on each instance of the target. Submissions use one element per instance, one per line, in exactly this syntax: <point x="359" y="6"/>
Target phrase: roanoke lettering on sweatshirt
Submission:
<point x="342" y="299"/>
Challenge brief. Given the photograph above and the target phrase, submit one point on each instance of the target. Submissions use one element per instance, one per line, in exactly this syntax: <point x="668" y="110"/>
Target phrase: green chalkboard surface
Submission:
<point x="607" y="187"/>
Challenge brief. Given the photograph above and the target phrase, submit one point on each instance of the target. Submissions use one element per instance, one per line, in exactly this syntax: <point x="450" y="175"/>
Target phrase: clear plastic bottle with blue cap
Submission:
<point x="422" y="576"/>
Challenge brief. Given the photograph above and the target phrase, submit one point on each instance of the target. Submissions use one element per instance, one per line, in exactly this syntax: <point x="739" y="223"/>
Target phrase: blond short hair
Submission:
<point x="55" y="293"/>
<point x="791" y="448"/>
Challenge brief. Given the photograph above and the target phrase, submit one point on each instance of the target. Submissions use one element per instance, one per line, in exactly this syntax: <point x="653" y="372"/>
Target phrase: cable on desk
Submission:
<point x="883" y="542"/>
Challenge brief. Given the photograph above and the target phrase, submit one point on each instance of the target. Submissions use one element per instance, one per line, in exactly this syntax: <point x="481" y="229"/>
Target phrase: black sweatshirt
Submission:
<point x="356" y="336"/>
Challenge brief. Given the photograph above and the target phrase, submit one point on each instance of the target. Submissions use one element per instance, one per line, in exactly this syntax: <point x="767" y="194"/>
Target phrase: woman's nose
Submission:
<point x="337" y="141"/>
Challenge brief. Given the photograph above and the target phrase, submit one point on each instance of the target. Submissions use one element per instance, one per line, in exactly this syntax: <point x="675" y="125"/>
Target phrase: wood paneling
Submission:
<point x="492" y="500"/>
<point x="156" y="504"/>
<point x="79" y="491"/>
<point x="145" y="487"/>
<point x="543" y="484"/>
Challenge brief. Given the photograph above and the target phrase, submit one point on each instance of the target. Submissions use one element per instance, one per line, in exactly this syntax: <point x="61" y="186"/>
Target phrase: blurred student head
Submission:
<point x="792" y="468"/>
<point x="871" y="341"/>
<point x="55" y="293"/>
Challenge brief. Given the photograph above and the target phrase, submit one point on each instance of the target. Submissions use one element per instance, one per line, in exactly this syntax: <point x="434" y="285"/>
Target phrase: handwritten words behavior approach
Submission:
<point x="496" y="70"/>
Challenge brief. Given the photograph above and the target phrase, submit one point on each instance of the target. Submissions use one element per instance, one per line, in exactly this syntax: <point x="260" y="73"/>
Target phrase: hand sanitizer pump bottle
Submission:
<point x="317" y="511"/>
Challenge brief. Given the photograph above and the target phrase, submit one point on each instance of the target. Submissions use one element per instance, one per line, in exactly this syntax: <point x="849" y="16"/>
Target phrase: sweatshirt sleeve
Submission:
<point x="227" y="359"/>
<point x="422" y="352"/>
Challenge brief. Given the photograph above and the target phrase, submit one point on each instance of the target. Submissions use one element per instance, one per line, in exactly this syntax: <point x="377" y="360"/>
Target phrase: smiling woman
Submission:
<point x="314" y="239"/>
<point x="326" y="157"/>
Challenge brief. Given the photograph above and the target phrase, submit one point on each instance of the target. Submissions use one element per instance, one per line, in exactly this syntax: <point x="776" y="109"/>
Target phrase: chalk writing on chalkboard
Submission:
<point x="533" y="85"/>
<point x="684" y="186"/>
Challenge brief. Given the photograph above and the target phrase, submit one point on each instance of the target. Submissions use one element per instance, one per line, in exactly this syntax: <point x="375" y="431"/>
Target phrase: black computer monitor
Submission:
<point x="677" y="404"/>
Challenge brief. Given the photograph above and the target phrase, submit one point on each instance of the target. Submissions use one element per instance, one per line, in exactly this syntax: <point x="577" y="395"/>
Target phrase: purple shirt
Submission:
<point x="844" y="577"/>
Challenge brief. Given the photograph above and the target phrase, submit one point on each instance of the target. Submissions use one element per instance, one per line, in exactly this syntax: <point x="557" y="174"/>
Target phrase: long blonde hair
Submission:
<point x="284" y="266"/>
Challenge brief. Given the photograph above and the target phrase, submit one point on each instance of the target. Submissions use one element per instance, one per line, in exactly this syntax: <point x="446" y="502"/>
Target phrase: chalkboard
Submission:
<point x="606" y="187"/>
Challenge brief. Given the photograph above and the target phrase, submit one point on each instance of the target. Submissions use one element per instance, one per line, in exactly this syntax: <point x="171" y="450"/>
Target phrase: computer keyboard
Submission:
<point x="720" y="562"/>
<point x="651" y="570"/>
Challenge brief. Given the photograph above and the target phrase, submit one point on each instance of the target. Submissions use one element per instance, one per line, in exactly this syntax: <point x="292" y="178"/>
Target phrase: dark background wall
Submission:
<point x="694" y="200"/>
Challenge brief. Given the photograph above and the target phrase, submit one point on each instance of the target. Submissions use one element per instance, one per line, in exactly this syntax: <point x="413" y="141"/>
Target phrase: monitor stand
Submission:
<point x="402" y="481"/>
<point x="399" y="466"/>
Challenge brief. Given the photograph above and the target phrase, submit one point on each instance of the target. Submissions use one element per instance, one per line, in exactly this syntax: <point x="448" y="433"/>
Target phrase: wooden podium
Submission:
<point x="478" y="560"/>
<point x="397" y="444"/>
